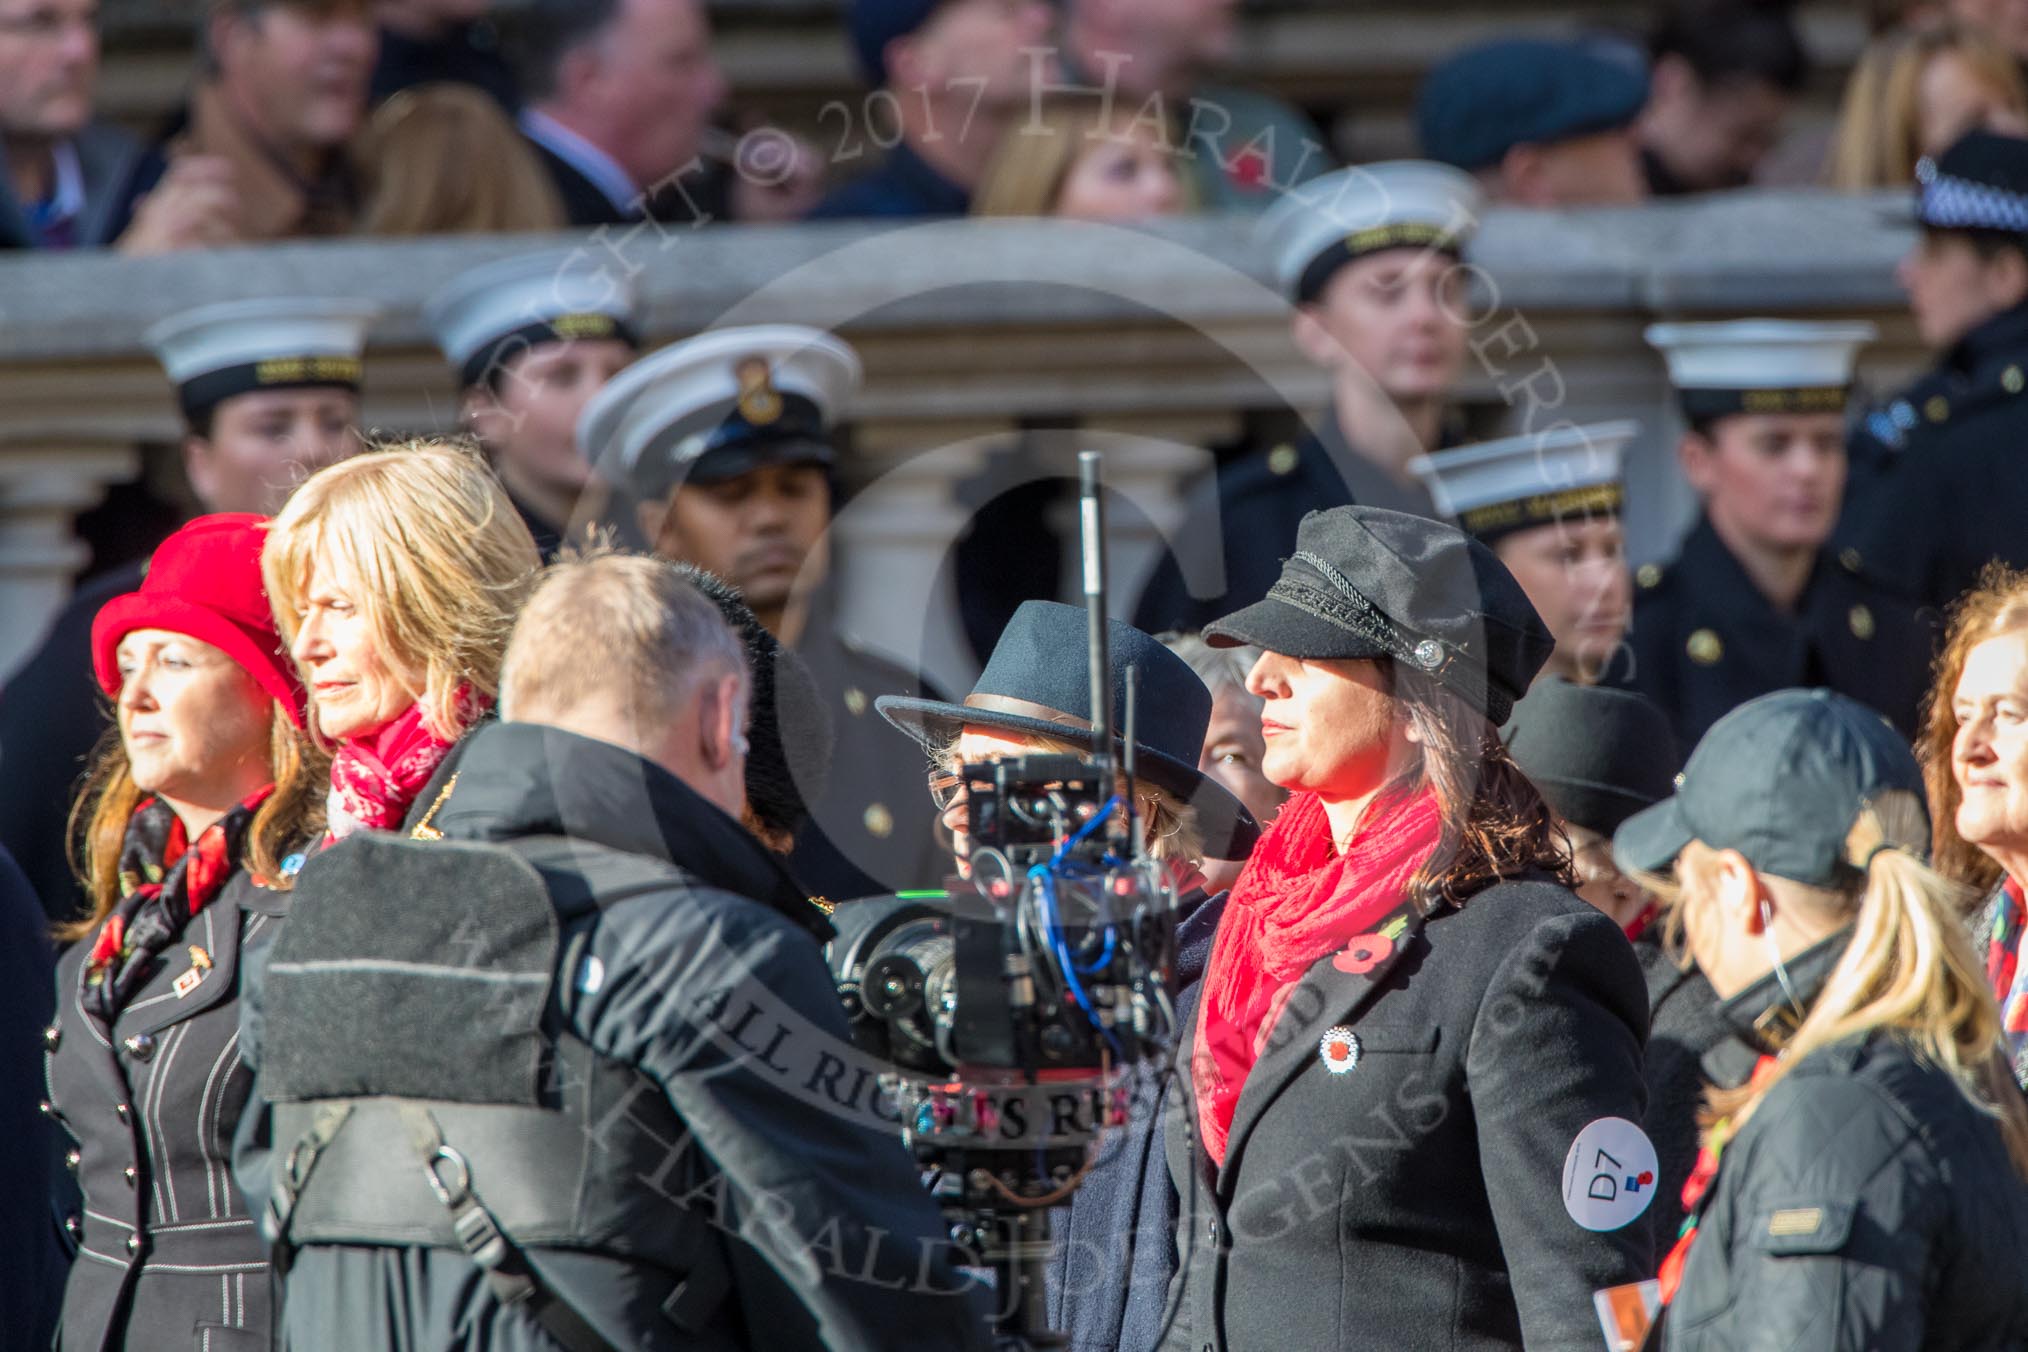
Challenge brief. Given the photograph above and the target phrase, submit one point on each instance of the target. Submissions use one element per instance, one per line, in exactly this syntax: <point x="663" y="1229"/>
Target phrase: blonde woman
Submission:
<point x="1864" y="1178"/>
<point x="1084" y="157"/>
<point x="446" y="160"/>
<point x="396" y="577"/>
<point x="1913" y="93"/>
<point x="187" y="817"/>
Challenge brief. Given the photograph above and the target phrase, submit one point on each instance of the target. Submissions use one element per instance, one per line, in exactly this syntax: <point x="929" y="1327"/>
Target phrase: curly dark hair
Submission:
<point x="789" y="752"/>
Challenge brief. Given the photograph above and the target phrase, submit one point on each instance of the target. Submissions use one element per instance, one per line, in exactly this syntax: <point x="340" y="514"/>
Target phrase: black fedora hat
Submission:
<point x="1038" y="683"/>
<point x="1368" y="583"/>
<point x="1599" y="755"/>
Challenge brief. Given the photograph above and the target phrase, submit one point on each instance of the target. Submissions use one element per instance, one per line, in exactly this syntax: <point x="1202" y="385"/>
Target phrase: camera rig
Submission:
<point x="1011" y="1005"/>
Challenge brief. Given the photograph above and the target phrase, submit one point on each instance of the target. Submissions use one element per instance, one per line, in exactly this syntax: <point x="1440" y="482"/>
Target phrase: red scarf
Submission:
<point x="164" y="880"/>
<point x="1297" y="900"/>
<point x="375" y="778"/>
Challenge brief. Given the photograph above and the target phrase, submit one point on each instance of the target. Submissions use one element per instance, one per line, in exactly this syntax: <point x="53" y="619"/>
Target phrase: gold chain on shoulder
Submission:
<point x="423" y="830"/>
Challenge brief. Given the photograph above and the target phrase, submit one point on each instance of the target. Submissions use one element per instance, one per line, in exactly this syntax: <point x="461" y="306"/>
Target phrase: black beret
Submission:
<point x="1370" y="583"/>
<point x="1598" y="755"/>
<point x="1484" y="101"/>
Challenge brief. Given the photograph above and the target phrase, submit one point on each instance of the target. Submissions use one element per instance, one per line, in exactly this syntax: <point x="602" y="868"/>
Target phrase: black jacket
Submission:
<point x="168" y="1254"/>
<point x="1937" y="488"/>
<point x="1684" y="1024"/>
<point x="902" y="185"/>
<point x="1241" y="523"/>
<point x="663" y="977"/>
<point x="1418" y="1200"/>
<point x="1866" y="1204"/>
<point x="1116" y="1241"/>
<point x="51" y="716"/>
<point x="1704" y="640"/>
<point x="29" y="1249"/>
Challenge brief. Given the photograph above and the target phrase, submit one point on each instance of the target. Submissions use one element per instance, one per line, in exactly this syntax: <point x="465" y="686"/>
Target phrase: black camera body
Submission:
<point x="1012" y="1004"/>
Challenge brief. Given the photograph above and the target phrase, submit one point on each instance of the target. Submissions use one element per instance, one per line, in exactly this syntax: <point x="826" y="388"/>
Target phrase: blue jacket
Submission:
<point x="1116" y="1241"/>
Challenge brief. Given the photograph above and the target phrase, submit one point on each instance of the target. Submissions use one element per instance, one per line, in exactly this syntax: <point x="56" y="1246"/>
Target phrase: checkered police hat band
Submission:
<point x="1951" y="203"/>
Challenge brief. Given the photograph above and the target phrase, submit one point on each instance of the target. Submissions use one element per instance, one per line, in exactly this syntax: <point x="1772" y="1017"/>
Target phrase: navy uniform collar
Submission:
<point x="1368" y="484"/>
<point x="938" y="195"/>
<point x="2004" y="337"/>
<point x="1705" y="557"/>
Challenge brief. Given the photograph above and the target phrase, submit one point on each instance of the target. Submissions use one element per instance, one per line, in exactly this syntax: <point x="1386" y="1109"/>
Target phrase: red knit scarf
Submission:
<point x="375" y="778"/>
<point x="1297" y="900"/>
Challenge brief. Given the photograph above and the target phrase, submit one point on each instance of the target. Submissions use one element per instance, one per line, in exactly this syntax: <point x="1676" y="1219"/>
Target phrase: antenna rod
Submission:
<point x="1129" y="725"/>
<point x="1092" y="545"/>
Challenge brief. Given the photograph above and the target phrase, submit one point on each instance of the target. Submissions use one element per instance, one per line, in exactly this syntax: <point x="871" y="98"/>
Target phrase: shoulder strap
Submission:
<point x="507" y="1269"/>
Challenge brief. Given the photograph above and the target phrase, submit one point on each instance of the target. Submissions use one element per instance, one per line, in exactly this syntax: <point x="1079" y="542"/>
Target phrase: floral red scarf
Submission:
<point x="2004" y="969"/>
<point x="1297" y="900"/>
<point x="374" y="779"/>
<point x="164" y="881"/>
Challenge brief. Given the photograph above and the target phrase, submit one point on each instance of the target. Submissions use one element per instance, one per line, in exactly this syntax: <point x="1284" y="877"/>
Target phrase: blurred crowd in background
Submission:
<point x="403" y="117"/>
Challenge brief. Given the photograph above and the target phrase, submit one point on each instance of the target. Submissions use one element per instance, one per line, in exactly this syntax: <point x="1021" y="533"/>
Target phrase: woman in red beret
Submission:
<point x="186" y="821"/>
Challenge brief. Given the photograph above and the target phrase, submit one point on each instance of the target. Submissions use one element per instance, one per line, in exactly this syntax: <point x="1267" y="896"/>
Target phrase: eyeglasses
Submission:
<point x="944" y="788"/>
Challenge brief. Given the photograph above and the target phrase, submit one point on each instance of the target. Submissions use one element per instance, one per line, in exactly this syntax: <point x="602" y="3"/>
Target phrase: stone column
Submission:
<point x="41" y="493"/>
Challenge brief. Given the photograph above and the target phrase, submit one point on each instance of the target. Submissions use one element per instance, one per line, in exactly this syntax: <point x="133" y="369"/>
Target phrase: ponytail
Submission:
<point x="1909" y="967"/>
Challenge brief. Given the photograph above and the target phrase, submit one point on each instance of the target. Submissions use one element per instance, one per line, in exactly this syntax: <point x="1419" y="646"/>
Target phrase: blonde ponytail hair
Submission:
<point x="1910" y="968"/>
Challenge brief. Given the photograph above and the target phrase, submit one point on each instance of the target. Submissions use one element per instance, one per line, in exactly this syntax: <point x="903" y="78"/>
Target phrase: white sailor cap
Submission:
<point x="217" y="351"/>
<point x="1319" y="226"/>
<point x="720" y="405"/>
<point x="1761" y="365"/>
<point x="1564" y="473"/>
<point x="493" y="312"/>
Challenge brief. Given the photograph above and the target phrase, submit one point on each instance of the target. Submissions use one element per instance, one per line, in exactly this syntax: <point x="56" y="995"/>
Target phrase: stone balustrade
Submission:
<point x="1153" y="343"/>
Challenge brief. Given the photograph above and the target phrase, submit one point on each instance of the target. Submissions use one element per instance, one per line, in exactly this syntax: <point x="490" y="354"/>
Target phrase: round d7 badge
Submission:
<point x="1609" y="1174"/>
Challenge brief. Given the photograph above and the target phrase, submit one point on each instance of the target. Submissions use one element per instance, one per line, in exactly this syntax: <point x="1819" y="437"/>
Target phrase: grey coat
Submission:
<point x="167" y="1256"/>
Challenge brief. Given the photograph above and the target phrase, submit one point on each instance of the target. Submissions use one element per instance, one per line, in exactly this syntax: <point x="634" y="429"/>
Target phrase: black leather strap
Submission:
<point x="507" y="1269"/>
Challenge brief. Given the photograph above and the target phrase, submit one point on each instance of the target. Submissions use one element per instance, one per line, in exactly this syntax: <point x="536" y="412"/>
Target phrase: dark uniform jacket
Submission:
<point x="1866" y="1206"/>
<point x="872" y="829"/>
<point x="1115" y="1251"/>
<point x="1418" y="1199"/>
<point x="51" y="715"/>
<point x="904" y="185"/>
<point x="706" y="989"/>
<point x="1684" y="1024"/>
<point x="168" y="1255"/>
<point x="1704" y="640"/>
<point x="1244" y="521"/>
<point x="30" y="1252"/>
<point x="1938" y="487"/>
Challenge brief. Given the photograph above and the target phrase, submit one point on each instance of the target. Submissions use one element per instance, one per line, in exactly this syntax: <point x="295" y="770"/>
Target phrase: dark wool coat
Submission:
<point x="1418" y="1197"/>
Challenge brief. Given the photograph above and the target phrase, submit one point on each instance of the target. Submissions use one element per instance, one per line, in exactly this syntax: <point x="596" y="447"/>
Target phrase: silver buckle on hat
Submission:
<point x="1430" y="656"/>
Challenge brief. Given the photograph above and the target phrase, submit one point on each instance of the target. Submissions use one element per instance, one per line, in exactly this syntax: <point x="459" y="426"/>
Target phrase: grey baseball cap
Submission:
<point x="1780" y="779"/>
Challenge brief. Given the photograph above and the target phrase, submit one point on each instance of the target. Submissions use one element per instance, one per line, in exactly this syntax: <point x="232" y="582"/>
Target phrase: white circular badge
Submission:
<point x="1609" y="1176"/>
